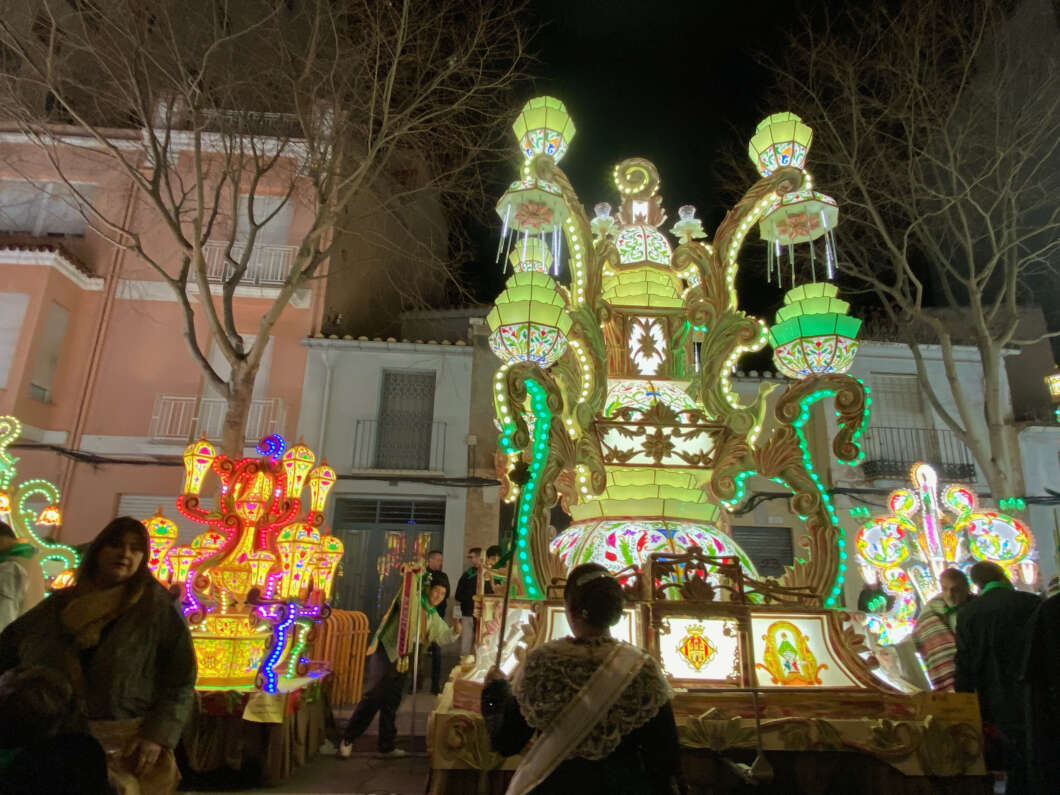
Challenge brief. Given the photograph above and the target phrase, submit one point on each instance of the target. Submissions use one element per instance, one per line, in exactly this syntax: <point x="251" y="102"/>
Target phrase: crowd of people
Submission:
<point x="97" y="680"/>
<point x="1003" y="645"/>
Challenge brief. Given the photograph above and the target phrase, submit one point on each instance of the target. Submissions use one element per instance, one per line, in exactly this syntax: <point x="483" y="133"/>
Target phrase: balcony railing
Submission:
<point x="891" y="453"/>
<point x="180" y="418"/>
<point x="402" y="445"/>
<point x="269" y="264"/>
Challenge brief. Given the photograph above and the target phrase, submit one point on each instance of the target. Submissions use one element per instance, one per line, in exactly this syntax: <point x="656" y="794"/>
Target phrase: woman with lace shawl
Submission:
<point x="598" y="709"/>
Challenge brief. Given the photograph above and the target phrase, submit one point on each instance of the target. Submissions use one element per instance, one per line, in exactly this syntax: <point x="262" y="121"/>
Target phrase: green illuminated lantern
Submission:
<point x="814" y="334"/>
<point x="529" y="320"/>
<point x="533" y="209"/>
<point x="780" y="141"/>
<point x="544" y="127"/>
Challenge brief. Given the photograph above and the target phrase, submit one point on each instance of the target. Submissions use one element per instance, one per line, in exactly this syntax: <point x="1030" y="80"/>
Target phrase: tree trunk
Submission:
<point x="234" y="428"/>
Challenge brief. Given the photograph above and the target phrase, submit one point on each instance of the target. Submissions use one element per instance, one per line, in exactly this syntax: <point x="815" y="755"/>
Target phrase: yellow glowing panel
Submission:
<point x="627" y="628"/>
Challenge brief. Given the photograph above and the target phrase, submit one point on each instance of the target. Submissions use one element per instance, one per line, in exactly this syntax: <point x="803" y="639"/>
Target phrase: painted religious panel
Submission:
<point x="793" y="651"/>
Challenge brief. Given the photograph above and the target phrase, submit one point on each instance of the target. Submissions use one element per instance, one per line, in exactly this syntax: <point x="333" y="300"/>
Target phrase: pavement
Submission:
<point x="363" y="773"/>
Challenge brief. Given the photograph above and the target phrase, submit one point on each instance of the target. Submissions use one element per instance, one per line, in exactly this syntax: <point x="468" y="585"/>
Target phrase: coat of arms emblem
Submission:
<point x="696" y="649"/>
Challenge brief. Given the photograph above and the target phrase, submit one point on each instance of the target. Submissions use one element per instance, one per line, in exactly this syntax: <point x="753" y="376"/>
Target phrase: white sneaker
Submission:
<point x="345" y="749"/>
<point x="397" y="753"/>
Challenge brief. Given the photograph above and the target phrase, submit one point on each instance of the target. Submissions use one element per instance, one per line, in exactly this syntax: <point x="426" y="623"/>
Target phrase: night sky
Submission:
<point x="673" y="81"/>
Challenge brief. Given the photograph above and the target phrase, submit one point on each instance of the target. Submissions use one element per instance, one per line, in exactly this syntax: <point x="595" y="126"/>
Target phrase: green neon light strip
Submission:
<point x="805" y="405"/>
<point x="296" y="651"/>
<point x="539" y="454"/>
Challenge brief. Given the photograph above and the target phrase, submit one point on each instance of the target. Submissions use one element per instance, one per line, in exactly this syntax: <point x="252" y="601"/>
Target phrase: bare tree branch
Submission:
<point x="360" y="115"/>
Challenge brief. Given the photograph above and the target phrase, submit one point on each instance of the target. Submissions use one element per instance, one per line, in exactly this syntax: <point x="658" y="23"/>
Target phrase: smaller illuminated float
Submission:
<point x="257" y="578"/>
<point x="31" y="508"/>
<point x="905" y="552"/>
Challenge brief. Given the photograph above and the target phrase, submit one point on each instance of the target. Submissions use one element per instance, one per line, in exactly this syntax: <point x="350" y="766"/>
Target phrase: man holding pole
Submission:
<point x="387" y="670"/>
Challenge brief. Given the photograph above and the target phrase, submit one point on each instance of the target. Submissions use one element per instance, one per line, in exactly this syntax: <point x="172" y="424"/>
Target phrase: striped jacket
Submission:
<point x="937" y="644"/>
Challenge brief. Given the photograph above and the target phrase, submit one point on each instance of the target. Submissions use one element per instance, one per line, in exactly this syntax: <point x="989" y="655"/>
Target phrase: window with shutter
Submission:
<point x="769" y="547"/>
<point x="144" y="506"/>
<point x="45" y="208"/>
<point x="12" y="311"/>
<point x="406" y="417"/>
<point x="49" y="351"/>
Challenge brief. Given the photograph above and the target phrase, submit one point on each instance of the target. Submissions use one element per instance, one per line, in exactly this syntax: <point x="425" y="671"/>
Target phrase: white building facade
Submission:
<point x="392" y="419"/>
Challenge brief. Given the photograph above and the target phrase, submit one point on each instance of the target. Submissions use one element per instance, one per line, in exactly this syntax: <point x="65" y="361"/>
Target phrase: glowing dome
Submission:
<point x="619" y="544"/>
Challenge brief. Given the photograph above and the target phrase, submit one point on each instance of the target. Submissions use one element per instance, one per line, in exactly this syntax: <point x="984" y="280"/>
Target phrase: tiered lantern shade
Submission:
<point x="326" y="564"/>
<point x="321" y="480"/>
<point x="182" y="558"/>
<point x="298" y="545"/>
<point x="296" y="465"/>
<point x="198" y="457"/>
<point x="780" y="140"/>
<point x="544" y="127"/>
<point x="529" y="321"/>
<point x="532" y="206"/>
<point x="162" y="533"/>
<point x="813" y="333"/>
<point x="801" y="217"/>
<point x="531" y="255"/>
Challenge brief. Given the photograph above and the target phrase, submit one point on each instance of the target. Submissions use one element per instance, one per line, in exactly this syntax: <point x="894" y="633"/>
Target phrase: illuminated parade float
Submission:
<point x="615" y="394"/>
<point x="31" y="508"/>
<point x="259" y="576"/>
<point x="905" y="552"/>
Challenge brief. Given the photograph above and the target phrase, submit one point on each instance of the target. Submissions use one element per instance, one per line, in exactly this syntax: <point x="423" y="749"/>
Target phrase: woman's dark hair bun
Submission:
<point x="595" y="594"/>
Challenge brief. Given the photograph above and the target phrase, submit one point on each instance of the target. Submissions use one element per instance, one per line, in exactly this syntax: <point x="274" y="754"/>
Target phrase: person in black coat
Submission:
<point x="1041" y="673"/>
<point x="44" y="744"/>
<point x="632" y="746"/>
<point x="438" y="577"/>
<point x="991" y="632"/>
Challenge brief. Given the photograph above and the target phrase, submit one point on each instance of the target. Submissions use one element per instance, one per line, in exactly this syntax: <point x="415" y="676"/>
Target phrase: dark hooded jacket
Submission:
<point x="143" y="667"/>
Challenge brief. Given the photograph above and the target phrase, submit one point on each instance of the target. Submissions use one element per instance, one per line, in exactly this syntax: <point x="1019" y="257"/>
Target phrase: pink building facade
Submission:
<point x="93" y="358"/>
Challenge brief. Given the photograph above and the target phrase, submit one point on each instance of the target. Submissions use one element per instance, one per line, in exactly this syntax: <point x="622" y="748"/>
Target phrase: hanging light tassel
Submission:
<point x="504" y="234"/>
<point x="830" y="254"/>
<point x="829" y="246"/>
<point x="769" y="264"/>
<point x="508" y="247"/>
<point x="559" y="250"/>
<point x="791" y="262"/>
<point x="813" y="263"/>
<point x="695" y="347"/>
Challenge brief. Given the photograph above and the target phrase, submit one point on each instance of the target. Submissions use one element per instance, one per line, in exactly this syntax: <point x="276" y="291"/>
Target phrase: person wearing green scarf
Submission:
<point x="384" y="680"/>
<point x="21" y="579"/>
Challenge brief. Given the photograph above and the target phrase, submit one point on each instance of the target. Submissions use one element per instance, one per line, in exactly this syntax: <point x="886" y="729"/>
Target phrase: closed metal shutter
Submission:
<point x="769" y="547"/>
